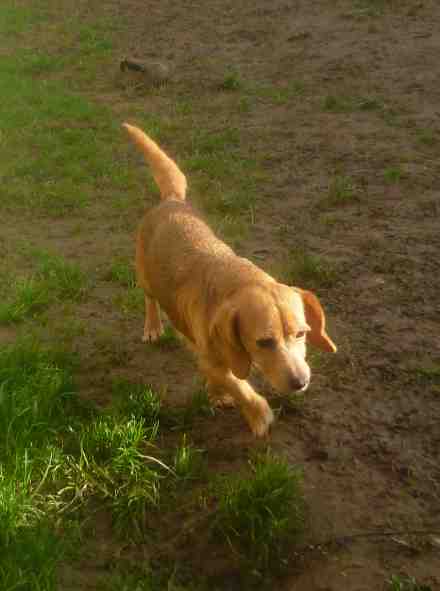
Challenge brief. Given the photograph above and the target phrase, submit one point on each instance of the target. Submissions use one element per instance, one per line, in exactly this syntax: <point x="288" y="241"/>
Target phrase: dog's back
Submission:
<point x="180" y="262"/>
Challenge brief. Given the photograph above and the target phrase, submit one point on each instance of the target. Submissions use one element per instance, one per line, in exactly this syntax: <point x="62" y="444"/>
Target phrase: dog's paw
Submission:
<point x="259" y="417"/>
<point x="221" y="401"/>
<point x="152" y="335"/>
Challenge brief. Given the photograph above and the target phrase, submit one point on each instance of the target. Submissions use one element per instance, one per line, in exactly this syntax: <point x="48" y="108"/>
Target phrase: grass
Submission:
<point x="427" y="137"/>
<point x="279" y="94"/>
<point x="130" y="301"/>
<point x="226" y="182"/>
<point x="309" y="271"/>
<point x="403" y="583"/>
<point x="372" y="8"/>
<point x="122" y="274"/>
<point x="114" y="467"/>
<point x="60" y="146"/>
<point x="261" y="515"/>
<point x="58" y="456"/>
<point x="341" y="191"/>
<point x="114" y="458"/>
<point x="428" y="374"/>
<point x="54" y="279"/>
<point x="232" y="82"/>
<point x="187" y="461"/>
<point x="335" y="104"/>
<point x="15" y="20"/>
<point x="350" y="104"/>
<point x="36" y="389"/>
<point x="392" y="176"/>
<point x="136" y="400"/>
<point x="141" y="577"/>
<point x="49" y="169"/>
<point x="183" y="418"/>
<point x="140" y="580"/>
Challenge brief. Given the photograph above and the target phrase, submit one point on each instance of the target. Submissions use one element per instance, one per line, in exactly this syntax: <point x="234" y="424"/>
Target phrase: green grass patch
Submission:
<point x="341" y="191"/>
<point x="113" y="460"/>
<point x="169" y="339"/>
<point x="136" y="401"/>
<point x="427" y="137"/>
<point x="392" y="176"/>
<point x="213" y="143"/>
<point x="58" y="147"/>
<point x="122" y="273"/>
<point x="429" y="374"/>
<point x="279" y="94"/>
<point x="182" y="418"/>
<point x="54" y="279"/>
<point x="225" y="181"/>
<point x="337" y="104"/>
<point x="15" y="20"/>
<point x="58" y="455"/>
<point x="404" y="583"/>
<point x="372" y="8"/>
<point x="114" y="467"/>
<point x="309" y="271"/>
<point x="36" y="392"/>
<point x="187" y="461"/>
<point x="130" y="301"/>
<point x="35" y="388"/>
<point x="231" y="82"/>
<point x="29" y="560"/>
<point x="350" y="104"/>
<point x="142" y="577"/>
<point x="262" y="514"/>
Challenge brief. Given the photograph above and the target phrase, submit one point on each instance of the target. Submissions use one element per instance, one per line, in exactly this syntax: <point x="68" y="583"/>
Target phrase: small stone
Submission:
<point x="149" y="72"/>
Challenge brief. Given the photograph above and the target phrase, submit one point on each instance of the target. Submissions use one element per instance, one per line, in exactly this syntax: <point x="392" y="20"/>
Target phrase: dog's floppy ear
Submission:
<point x="316" y="320"/>
<point x="224" y="336"/>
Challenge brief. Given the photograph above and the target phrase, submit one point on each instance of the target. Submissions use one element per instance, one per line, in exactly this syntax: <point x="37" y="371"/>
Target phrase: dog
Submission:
<point x="232" y="313"/>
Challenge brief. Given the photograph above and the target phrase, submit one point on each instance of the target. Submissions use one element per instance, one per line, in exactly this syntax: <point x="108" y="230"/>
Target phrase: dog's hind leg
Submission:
<point x="153" y="327"/>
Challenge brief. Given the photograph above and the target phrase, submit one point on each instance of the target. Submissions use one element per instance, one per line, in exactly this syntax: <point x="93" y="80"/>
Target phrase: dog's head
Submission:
<point x="269" y="326"/>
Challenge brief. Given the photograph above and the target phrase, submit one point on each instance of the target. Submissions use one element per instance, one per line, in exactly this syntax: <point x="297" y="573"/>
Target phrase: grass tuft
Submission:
<point x="187" y="461"/>
<point x="261" y="515"/>
<point x="310" y="271"/>
<point x="114" y="466"/>
<point x="341" y="191"/>
<point x="183" y="418"/>
<point x="54" y="279"/>
<point x="231" y="82"/>
<point x="136" y="400"/>
<point x="398" y="583"/>
<point x="122" y="274"/>
<point x="392" y="176"/>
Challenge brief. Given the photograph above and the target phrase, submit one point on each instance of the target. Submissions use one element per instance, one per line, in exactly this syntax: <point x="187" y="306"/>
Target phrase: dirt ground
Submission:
<point x="368" y="433"/>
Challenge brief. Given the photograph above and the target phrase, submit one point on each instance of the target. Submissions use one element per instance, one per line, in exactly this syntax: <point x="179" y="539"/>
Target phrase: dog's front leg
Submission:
<point x="254" y="407"/>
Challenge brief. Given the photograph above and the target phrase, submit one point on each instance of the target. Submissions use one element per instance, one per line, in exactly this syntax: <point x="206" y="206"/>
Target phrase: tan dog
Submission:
<point x="232" y="313"/>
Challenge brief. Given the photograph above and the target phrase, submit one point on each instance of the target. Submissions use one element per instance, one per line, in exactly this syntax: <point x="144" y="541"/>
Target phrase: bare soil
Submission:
<point x="368" y="433"/>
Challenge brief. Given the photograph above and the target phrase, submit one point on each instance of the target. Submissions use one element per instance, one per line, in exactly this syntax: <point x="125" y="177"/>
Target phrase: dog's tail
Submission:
<point x="169" y="178"/>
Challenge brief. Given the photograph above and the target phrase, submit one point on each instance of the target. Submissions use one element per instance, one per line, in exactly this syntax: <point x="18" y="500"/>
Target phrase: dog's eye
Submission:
<point x="267" y="343"/>
<point x="300" y="334"/>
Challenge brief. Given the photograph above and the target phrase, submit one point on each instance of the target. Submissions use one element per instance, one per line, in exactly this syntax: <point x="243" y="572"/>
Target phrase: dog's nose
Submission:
<point x="298" y="383"/>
